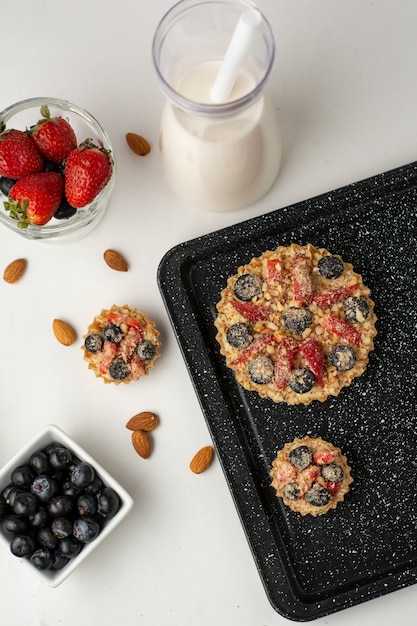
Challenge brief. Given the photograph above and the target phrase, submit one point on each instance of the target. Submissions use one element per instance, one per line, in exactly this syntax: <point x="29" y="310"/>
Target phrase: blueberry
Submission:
<point x="4" y="508"/>
<point x="113" y="333"/>
<point x="93" y="343"/>
<point x="239" y="335"/>
<point x="85" y="529"/>
<point x="145" y="350"/>
<point x="317" y="495"/>
<point x="297" y="319"/>
<point x="301" y="380"/>
<point x="58" y="560"/>
<point x="51" y="446"/>
<point x="45" y="487"/>
<point x="6" y="184"/>
<point x="39" y="462"/>
<point x="96" y="486"/>
<point x="291" y="491"/>
<point x="70" y="547"/>
<point x="107" y="503"/>
<point x="332" y="473"/>
<point x="46" y="538"/>
<point x="61" y="527"/>
<point x="261" y="370"/>
<point x="300" y="457"/>
<point x="119" y="370"/>
<point x="25" y="504"/>
<point x="247" y="286"/>
<point x="86" y="504"/>
<point x="14" y="524"/>
<point x="6" y="492"/>
<point x="60" y="506"/>
<point x="65" y="210"/>
<point x="50" y="166"/>
<point x="342" y="357"/>
<point x="82" y="475"/>
<point x="39" y="518"/>
<point x="22" y="475"/>
<point x="330" y="266"/>
<point x="41" y="558"/>
<point x="10" y="492"/>
<point x="60" y="457"/>
<point x="22" y="545"/>
<point x="68" y="489"/>
<point x="355" y="309"/>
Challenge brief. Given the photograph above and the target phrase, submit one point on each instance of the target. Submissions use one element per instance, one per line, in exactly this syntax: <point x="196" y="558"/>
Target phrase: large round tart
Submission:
<point x="296" y="324"/>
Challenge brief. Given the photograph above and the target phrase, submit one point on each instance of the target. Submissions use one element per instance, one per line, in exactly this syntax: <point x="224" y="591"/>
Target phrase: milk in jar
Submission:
<point x="215" y="162"/>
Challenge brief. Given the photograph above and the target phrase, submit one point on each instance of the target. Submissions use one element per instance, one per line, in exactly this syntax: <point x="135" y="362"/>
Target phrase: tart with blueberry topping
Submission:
<point x="311" y="476"/>
<point x="296" y="324"/>
<point x="121" y="345"/>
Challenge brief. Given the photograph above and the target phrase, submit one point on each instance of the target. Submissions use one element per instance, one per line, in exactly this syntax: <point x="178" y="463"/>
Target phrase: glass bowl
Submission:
<point x="23" y="115"/>
<point x="52" y="434"/>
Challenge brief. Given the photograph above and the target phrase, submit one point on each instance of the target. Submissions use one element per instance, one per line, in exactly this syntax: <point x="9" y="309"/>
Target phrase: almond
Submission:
<point x="138" y="144"/>
<point x="142" y="443"/>
<point x="63" y="332"/>
<point x="115" y="260"/>
<point x="143" y="421"/>
<point x="201" y="460"/>
<point x="14" y="270"/>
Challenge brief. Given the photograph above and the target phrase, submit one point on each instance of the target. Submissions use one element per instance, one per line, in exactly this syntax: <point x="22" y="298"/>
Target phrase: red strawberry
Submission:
<point x="35" y="198"/>
<point x="314" y="356"/>
<point x="341" y="328"/>
<point x="251" y="311"/>
<point x="88" y="169"/>
<point x="327" y="300"/>
<point x="53" y="136"/>
<point x="19" y="156"/>
<point x="256" y="346"/>
<point x="301" y="280"/>
<point x="285" y="355"/>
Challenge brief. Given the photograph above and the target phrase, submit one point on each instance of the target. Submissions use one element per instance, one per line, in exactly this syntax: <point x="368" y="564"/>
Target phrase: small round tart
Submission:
<point x="121" y="345"/>
<point x="296" y="324"/>
<point x="311" y="476"/>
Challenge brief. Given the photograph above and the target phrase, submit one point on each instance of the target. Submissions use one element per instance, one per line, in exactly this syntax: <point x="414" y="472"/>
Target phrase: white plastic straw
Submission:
<point x="235" y="55"/>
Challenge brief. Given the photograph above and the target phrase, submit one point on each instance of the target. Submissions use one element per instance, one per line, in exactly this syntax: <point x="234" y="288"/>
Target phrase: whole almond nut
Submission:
<point x="138" y="144"/>
<point x="201" y="460"/>
<point x="143" y="421"/>
<point x="14" y="270"/>
<point x="63" y="332"/>
<point x="115" y="260"/>
<point x="142" y="443"/>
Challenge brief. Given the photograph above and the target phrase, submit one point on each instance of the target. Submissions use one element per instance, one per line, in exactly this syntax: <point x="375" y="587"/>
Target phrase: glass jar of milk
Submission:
<point x="219" y="138"/>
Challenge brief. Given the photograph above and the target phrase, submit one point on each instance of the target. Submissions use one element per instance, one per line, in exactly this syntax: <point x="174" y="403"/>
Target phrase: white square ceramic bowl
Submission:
<point x="50" y="434"/>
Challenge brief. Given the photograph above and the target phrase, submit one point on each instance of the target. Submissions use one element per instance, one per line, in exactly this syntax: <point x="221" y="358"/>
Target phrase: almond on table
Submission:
<point x="146" y="420"/>
<point x="64" y="333"/>
<point x="138" y="144"/>
<point x="115" y="260"/>
<point x="14" y="271"/>
<point x="201" y="460"/>
<point x="142" y="443"/>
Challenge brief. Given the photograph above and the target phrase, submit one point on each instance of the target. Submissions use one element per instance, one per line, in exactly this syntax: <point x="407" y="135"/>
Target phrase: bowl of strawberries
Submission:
<point x="57" y="170"/>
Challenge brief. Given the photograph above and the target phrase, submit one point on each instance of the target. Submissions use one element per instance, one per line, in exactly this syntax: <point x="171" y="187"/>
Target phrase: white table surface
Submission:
<point x="345" y="84"/>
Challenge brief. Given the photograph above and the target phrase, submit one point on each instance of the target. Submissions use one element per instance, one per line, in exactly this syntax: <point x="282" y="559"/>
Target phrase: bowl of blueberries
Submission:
<point x="57" y="170"/>
<point x="57" y="504"/>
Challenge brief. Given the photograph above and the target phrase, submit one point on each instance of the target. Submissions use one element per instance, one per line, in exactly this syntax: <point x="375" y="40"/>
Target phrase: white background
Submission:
<point x="345" y="85"/>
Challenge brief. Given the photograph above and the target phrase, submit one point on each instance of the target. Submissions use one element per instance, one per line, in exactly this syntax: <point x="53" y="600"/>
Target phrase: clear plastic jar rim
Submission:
<point x="199" y="108"/>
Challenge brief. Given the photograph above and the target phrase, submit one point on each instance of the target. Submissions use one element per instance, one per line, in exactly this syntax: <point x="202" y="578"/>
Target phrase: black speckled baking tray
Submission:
<point x="367" y="546"/>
